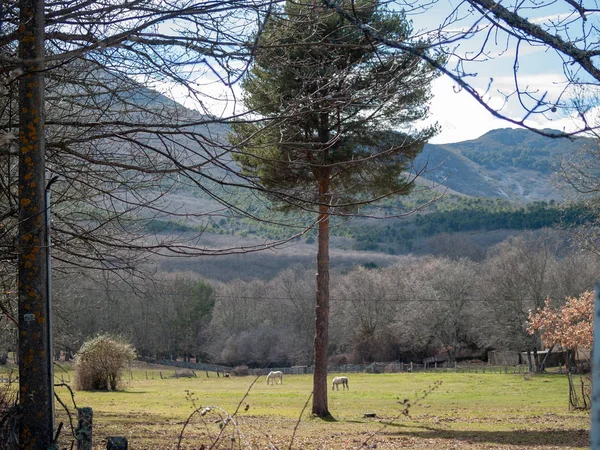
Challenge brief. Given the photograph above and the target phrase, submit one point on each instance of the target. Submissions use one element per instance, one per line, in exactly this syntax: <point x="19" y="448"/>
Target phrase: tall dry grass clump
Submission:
<point x="100" y="363"/>
<point x="8" y="414"/>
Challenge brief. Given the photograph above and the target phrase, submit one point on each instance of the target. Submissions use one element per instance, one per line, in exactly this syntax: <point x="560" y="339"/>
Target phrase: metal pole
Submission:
<point x="49" y="302"/>
<point x="595" y="416"/>
<point x="35" y="425"/>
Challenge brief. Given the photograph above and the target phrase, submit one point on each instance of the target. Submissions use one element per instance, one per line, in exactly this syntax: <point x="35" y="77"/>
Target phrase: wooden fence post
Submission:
<point x="116" y="443"/>
<point x="83" y="433"/>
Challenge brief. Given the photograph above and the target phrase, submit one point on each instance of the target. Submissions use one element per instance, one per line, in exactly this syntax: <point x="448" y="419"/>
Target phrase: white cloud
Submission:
<point x="213" y="98"/>
<point x="459" y="115"/>
<point x="560" y="18"/>
<point x="551" y="83"/>
<point x="462" y="118"/>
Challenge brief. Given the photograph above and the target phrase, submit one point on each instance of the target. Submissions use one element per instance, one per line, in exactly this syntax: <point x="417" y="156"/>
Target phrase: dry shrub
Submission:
<point x="100" y="363"/>
<point x="339" y="360"/>
<point x="185" y="373"/>
<point x="241" y="371"/>
<point x="474" y="361"/>
<point x="390" y="368"/>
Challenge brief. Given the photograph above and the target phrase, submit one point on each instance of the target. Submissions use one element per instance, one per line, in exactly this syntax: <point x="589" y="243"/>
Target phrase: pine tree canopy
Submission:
<point x="336" y="114"/>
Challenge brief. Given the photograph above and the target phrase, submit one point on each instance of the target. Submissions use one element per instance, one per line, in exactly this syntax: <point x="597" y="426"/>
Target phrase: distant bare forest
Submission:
<point x="265" y="265"/>
<point x="383" y="307"/>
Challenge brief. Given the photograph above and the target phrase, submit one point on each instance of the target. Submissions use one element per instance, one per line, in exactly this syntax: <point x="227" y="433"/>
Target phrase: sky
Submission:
<point x="458" y="114"/>
<point x="462" y="118"/>
<point x="538" y="70"/>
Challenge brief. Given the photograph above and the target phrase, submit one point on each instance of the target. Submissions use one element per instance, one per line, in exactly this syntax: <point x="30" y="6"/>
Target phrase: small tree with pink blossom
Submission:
<point x="570" y="326"/>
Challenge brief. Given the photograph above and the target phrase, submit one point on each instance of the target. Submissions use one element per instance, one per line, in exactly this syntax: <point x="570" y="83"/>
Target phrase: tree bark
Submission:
<point x="320" y="407"/>
<point x="35" y="382"/>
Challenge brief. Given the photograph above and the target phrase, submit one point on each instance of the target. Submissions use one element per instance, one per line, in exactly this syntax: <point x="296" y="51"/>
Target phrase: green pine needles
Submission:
<point x="336" y="113"/>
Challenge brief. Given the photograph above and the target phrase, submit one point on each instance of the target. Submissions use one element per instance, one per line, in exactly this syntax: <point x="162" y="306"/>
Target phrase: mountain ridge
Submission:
<point x="507" y="163"/>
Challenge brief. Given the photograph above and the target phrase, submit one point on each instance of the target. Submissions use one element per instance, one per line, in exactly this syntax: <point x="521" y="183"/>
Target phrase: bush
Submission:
<point x="185" y="373"/>
<point x="100" y="363"/>
<point x="339" y="360"/>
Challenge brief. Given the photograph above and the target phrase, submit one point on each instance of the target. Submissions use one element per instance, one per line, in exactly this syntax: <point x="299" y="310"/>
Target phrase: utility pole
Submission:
<point x="35" y="397"/>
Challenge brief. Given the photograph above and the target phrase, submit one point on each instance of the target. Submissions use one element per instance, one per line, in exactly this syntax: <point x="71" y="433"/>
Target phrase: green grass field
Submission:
<point x="473" y="411"/>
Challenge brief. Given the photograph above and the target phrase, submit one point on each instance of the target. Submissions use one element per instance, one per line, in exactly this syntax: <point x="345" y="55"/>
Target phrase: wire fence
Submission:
<point x="164" y="369"/>
<point x="399" y="367"/>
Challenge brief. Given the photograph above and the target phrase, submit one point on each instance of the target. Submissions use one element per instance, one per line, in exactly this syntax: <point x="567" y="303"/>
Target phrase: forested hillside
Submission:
<point x="506" y="163"/>
<point x="500" y="182"/>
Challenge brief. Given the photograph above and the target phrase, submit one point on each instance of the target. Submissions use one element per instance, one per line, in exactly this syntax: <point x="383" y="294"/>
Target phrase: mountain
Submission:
<point x="497" y="185"/>
<point x="508" y="164"/>
<point x="511" y="164"/>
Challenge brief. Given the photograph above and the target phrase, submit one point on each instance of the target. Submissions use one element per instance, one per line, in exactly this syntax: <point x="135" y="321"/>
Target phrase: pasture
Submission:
<point x="472" y="411"/>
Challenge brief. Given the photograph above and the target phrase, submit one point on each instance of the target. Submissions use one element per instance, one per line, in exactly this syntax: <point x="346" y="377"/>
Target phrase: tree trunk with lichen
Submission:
<point x="35" y="399"/>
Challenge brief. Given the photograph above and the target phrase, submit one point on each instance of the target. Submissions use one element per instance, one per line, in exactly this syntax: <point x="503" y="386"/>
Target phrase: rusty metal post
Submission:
<point x="83" y="432"/>
<point x="35" y="398"/>
<point x="50" y="351"/>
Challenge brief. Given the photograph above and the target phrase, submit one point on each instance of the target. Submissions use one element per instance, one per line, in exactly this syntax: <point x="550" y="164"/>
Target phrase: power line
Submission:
<point x="264" y="298"/>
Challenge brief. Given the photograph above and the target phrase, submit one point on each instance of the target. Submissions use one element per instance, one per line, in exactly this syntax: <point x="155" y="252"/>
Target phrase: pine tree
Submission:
<point x="327" y="101"/>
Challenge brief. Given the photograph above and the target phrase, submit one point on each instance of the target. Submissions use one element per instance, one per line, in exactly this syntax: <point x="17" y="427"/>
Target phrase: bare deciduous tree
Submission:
<point x="296" y="288"/>
<point x="364" y="308"/>
<point x="580" y="173"/>
<point x="103" y="136"/>
<point x="516" y="279"/>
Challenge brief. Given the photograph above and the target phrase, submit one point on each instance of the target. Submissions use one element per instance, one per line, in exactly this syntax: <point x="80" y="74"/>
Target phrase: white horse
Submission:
<point x="340" y="380"/>
<point x="274" y="376"/>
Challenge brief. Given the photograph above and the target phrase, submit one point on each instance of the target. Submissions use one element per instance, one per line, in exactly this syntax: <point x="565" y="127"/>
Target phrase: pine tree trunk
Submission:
<point x="320" y="407"/>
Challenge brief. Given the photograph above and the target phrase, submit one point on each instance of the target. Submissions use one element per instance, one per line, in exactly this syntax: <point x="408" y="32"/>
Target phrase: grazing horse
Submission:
<point x="340" y="380"/>
<point x="274" y="376"/>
